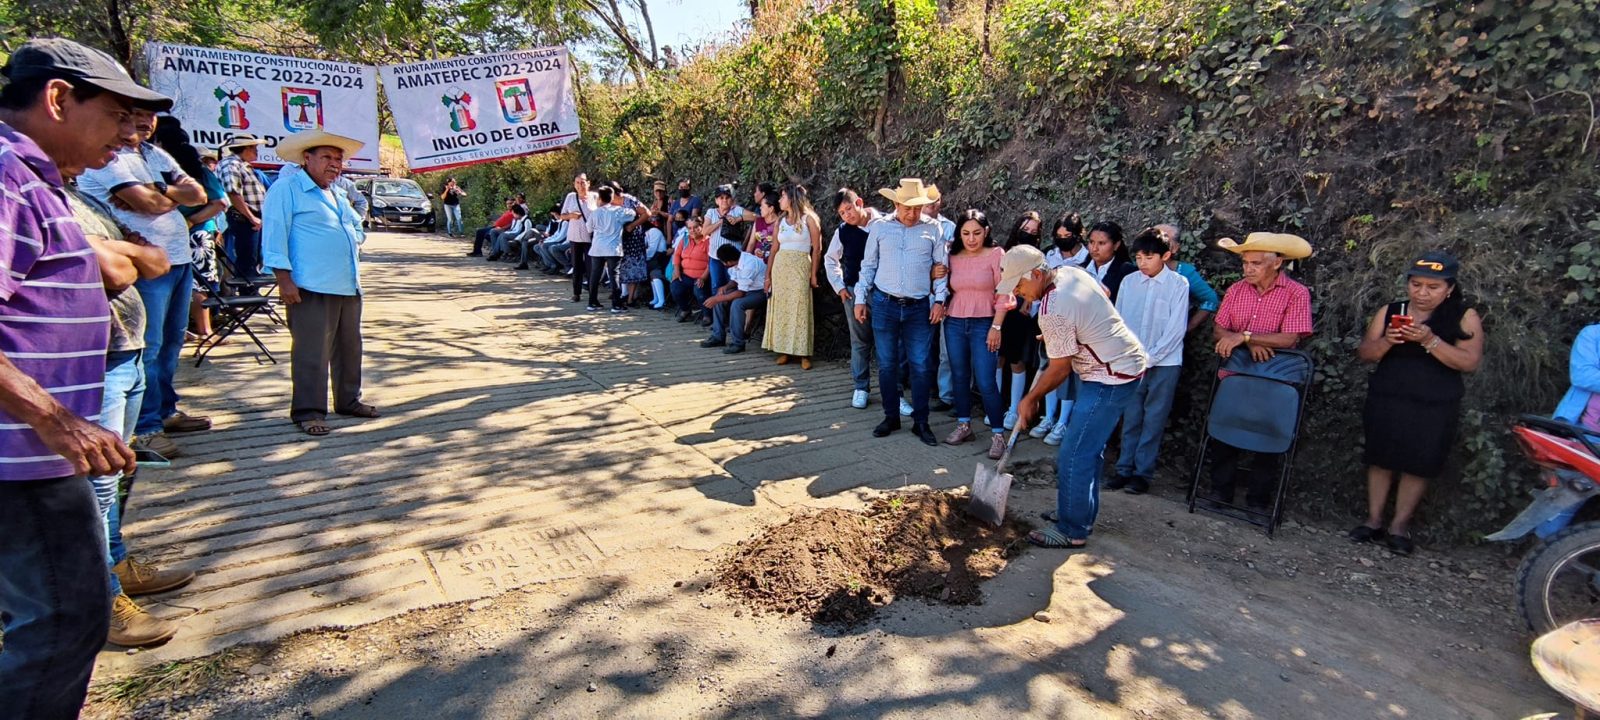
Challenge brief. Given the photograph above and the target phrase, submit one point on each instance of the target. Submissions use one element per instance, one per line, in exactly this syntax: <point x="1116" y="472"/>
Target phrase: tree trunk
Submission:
<point x="618" y="27"/>
<point x="117" y="33"/>
<point x="650" y="29"/>
<point x="988" y="11"/>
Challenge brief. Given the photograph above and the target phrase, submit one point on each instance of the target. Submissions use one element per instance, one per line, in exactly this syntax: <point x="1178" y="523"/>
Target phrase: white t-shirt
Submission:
<point x="713" y="217"/>
<point x="1079" y="322"/>
<point x="607" y="223"/>
<point x="750" y="273"/>
<point x="149" y="164"/>
<point x="578" y="228"/>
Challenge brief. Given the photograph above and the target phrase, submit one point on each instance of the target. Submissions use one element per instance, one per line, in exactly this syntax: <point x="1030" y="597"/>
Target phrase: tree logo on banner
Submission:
<point x="231" y="112"/>
<point x="459" y="103"/>
<point x="516" y="100"/>
<point x="302" y="109"/>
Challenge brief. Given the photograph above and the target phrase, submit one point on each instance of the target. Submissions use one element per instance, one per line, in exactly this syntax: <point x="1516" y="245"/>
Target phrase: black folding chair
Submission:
<point x="1258" y="408"/>
<point x="254" y="284"/>
<point x="232" y="314"/>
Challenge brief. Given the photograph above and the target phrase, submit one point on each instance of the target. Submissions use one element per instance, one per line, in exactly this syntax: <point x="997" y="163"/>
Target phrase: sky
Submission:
<point x="692" y="22"/>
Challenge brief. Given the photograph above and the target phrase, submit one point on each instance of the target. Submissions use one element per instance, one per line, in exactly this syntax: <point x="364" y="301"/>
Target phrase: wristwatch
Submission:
<point x="994" y="327"/>
<point x="1247" y="337"/>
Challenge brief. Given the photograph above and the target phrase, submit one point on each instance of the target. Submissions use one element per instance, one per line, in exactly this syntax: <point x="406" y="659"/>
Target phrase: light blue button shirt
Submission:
<point x="315" y="237"/>
<point x="899" y="259"/>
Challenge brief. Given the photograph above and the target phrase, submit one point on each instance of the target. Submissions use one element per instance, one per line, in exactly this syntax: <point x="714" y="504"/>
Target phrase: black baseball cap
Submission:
<point x="59" y="58"/>
<point x="1434" y="264"/>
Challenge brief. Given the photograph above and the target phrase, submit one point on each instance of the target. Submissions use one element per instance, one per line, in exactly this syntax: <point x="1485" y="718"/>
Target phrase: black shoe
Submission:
<point x="1362" y="533"/>
<point x="521" y="266"/>
<point x="1400" y="545"/>
<point x="888" y="425"/>
<point x="939" y="405"/>
<point x="1116" y="483"/>
<point x="925" y="434"/>
<point x="1137" y="486"/>
<point x="712" y="342"/>
<point x="683" y="317"/>
<point x="492" y="257"/>
<point x="474" y="254"/>
<point x="733" y="350"/>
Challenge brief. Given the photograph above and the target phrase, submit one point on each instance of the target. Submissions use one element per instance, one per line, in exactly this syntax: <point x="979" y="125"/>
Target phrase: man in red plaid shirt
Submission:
<point x="1265" y="311"/>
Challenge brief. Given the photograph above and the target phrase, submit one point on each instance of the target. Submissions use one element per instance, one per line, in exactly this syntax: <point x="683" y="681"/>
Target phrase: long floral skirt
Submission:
<point x="789" y="329"/>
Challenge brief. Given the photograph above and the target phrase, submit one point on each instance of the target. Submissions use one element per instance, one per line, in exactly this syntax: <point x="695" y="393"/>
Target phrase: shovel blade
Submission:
<point x="989" y="492"/>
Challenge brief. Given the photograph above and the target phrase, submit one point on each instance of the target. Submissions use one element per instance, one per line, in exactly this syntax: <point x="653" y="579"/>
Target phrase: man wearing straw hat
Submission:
<point x="1263" y="312"/>
<point x="897" y="292"/>
<point x="311" y="240"/>
<point x="245" y="194"/>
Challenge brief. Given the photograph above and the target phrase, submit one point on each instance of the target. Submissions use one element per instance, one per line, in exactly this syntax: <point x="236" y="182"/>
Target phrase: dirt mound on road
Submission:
<point x="838" y="566"/>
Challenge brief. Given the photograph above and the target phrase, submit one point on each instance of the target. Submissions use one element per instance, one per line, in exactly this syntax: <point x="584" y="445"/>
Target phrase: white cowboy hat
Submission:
<point x="293" y="148"/>
<point x="242" y="140"/>
<point x="933" y="192"/>
<point x="1016" y="264"/>
<point x="1289" y="247"/>
<point x="911" y="192"/>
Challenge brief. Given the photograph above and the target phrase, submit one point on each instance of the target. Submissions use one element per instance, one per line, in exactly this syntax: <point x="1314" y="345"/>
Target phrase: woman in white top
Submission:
<point x="791" y="276"/>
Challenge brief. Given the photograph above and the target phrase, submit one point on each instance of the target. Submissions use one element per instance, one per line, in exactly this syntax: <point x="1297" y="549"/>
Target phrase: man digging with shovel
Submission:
<point x="1080" y="325"/>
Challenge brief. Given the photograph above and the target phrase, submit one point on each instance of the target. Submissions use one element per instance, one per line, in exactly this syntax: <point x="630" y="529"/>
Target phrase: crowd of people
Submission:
<point x="110" y="230"/>
<point x="119" y="238"/>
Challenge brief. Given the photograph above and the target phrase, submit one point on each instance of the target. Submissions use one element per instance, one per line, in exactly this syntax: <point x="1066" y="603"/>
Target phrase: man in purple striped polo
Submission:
<point x="64" y="108"/>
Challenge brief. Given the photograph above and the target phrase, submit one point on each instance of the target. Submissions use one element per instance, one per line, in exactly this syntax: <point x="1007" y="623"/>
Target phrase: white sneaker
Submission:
<point x="858" y="399"/>
<point x="1054" y="438"/>
<point x="1042" y="429"/>
<point x="905" y="408"/>
<point x="1010" y="421"/>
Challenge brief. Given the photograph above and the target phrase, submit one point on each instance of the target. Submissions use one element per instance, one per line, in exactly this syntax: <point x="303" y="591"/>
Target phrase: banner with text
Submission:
<point x="481" y="108"/>
<point x="222" y="93"/>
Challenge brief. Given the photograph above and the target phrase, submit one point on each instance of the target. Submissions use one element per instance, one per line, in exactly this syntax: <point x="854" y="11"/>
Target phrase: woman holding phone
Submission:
<point x="1422" y="346"/>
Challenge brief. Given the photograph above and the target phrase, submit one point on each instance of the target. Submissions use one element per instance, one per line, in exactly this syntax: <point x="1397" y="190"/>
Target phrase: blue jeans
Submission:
<point x="860" y="348"/>
<point x="1144" y="421"/>
<point x="967" y="347"/>
<point x="1093" y="418"/>
<point x="898" y="328"/>
<point x="719" y="273"/>
<point x="733" y="331"/>
<point x="119" y="412"/>
<point x="941" y="366"/>
<point x="54" y="601"/>
<point x="452" y="220"/>
<point x="166" y="309"/>
<point x="686" y="291"/>
<point x="243" y="244"/>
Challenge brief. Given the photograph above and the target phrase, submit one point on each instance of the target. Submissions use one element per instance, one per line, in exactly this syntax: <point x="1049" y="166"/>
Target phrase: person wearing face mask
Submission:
<point x="1108" y="258"/>
<point x="1066" y="243"/>
<point x="1422" y="346"/>
<point x="686" y="202"/>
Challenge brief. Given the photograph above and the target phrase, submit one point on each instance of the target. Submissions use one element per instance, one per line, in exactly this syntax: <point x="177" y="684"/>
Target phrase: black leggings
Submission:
<point x="598" y="265"/>
<point x="580" y="268"/>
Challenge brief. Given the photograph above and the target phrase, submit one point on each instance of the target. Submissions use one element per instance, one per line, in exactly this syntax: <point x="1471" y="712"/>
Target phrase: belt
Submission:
<point x="896" y="299"/>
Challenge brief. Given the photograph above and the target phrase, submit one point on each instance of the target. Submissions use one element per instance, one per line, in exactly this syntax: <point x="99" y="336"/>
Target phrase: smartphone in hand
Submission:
<point x="1397" y="322"/>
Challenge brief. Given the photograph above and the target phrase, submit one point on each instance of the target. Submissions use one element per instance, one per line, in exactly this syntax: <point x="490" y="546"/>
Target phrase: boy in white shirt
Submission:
<point x="745" y="290"/>
<point x="1154" y="302"/>
<point x="607" y="223"/>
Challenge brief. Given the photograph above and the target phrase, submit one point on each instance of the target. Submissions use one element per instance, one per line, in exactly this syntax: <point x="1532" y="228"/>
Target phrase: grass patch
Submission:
<point x="166" y="677"/>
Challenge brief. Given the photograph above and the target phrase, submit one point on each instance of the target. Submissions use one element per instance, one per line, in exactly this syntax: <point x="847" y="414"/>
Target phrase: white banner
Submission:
<point x="481" y="108"/>
<point x="222" y="93"/>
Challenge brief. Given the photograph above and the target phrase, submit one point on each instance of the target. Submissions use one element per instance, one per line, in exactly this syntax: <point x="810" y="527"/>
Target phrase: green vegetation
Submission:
<point x="1376" y="129"/>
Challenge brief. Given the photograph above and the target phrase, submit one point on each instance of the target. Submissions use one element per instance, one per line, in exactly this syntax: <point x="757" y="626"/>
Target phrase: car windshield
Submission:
<point x="398" y="189"/>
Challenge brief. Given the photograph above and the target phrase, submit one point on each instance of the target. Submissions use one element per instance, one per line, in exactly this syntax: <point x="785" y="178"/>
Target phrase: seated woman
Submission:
<point x="1422" y="346"/>
<point x="691" y="282"/>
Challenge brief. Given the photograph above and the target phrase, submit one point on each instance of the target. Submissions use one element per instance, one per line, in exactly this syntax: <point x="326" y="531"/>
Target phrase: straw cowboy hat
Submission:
<point x="911" y="192"/>
<point x="242" y="140"/>
<point x="933" y="192"/>
<point x="294" y="147"/>
<point x="1289" y="247"/>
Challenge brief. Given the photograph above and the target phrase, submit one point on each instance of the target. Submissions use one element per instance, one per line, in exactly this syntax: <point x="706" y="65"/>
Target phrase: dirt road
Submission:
<point x="529" y="530"/>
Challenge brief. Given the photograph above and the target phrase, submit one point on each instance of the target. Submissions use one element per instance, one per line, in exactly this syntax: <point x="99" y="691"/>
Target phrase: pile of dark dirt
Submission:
<point x="839" y="566"/>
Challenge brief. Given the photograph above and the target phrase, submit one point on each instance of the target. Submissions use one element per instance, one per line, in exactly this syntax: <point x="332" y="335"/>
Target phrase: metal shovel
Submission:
<point x="991" y="487"/>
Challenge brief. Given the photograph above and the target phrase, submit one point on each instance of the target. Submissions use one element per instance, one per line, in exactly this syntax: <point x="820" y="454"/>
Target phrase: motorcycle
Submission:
<point x="1558" y="581"/>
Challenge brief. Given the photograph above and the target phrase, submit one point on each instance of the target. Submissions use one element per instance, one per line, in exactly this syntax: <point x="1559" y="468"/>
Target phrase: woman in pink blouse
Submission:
<point x="972" y="327"/>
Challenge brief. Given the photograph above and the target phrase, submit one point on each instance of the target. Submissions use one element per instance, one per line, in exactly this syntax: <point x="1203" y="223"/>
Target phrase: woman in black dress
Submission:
<point x="1422" y="346"/>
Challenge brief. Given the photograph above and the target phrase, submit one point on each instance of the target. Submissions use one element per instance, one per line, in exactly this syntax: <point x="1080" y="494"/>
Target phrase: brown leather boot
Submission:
<point x="132" y="627"/>
<point x="140" y="578"/>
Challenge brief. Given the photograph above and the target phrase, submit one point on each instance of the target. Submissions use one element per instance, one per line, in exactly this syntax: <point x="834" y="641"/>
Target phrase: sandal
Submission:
<point x="1052" y="538"/>
<point x="315" y="427"/>
<point x="361" y="411"/>
<point x="1363" y="533"/>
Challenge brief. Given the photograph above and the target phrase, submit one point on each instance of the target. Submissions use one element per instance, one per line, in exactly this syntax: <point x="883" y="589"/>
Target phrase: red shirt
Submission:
<point x="505" y="221"/>
<point x="1283" y="308"/>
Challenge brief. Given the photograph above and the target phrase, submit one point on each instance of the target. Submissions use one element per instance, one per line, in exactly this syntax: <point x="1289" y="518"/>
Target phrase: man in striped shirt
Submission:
<point x="64" y="107"/>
